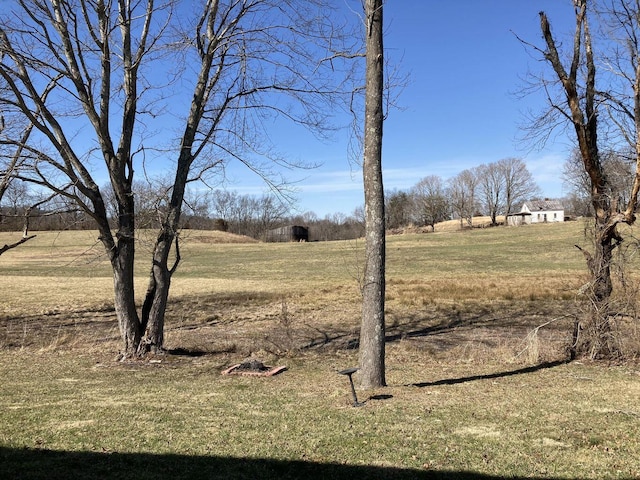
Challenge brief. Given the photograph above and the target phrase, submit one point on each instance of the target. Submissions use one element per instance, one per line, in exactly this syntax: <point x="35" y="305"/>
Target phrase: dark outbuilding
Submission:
<point x="289" y="233"/>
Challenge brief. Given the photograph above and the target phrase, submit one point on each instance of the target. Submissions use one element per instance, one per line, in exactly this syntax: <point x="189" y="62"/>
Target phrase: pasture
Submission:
<point x="479" y="386"/>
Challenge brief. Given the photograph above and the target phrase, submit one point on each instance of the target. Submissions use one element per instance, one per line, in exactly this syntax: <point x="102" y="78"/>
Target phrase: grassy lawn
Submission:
<point x="474" y="390"/>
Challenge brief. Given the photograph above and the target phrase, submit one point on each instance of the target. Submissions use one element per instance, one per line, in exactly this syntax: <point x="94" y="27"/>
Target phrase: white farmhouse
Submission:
<point x="538" y="211"/>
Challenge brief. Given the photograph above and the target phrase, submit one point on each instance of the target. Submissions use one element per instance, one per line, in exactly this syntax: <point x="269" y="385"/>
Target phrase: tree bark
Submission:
<point x="593" y="335"/>
<point x="124" y="299"/>
<point x="155" y="303"/>
<point x="121" y="252"/>
<point x="372" y="333"/>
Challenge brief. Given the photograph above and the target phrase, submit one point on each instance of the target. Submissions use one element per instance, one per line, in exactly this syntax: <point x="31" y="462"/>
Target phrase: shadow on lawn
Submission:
<point x="26" y="464"/>
<point x="429" y="324"/>
<point x="510" y="373"/>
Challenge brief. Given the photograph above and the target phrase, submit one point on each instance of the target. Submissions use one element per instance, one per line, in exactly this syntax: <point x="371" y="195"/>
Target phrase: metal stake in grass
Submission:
<point x="349" y="372"/>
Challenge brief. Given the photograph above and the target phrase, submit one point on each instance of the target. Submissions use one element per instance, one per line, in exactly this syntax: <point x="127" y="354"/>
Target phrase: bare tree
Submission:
<point x="491" y="182"/>
<point x="398" y="209"/>
<point x="270" y="211"/>
<point x="618" y="169"/>
<point x="10" y="187"/>
<point x="504" y="183"/>
<point x="249" y="215"/>
<point x="96" y="79"/>
<point x="462" y="191"/>
<point x="519" y="184"/>
<point x="222" y="204"/>
<point x="577" y="182"/>
<point x="16" y="195"/>
<point x="430" y="200"/>
<point x="579" y="106"/>
<point x="372" y="331"/>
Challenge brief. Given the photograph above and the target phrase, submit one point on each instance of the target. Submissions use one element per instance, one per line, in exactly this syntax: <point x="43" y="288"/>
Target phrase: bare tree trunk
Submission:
<point x="372" y="333"/>
<point x="124" y="300"/>
<point x="156" y="299"/>
<point x="122" y="255"/>
<point x="593" y="335"/>
<point x="155" y="303"/>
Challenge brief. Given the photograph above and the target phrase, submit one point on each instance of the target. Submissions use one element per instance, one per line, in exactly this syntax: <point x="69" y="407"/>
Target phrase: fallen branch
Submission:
<point x="533" y="334"/>
<point x="9" y="246"/>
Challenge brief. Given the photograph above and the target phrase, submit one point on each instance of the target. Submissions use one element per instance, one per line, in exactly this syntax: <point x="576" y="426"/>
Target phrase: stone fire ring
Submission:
<point x="268" y="372"/>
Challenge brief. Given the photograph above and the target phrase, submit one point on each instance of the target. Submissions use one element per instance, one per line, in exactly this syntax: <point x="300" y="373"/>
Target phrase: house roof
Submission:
<point x="538" y="205"/>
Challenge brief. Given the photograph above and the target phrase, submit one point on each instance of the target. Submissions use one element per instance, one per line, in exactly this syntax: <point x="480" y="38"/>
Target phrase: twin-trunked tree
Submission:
<point x="110" y="87"/>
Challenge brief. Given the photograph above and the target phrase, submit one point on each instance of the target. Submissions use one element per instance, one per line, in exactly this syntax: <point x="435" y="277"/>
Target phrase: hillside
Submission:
<point x="477" y="327"/>
<point x="533" y="271"/>
<point x="215" y="236"/>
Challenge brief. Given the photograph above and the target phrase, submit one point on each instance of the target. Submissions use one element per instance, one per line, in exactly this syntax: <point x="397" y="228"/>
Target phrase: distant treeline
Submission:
<point x="333" y="227"/>
<point x="487" y="190"/>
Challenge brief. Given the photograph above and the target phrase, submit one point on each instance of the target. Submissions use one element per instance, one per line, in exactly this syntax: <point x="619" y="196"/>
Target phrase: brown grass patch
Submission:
<point x="215" y="237"/>
<point x="447" y="226"/>
<point x="477" y="384"/>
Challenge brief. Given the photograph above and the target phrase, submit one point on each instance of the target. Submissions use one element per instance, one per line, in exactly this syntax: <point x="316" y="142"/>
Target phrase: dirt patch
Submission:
<point x="60" y="328"/>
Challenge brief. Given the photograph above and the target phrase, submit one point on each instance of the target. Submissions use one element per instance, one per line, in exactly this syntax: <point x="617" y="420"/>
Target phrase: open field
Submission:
<point x="475" y="390"/>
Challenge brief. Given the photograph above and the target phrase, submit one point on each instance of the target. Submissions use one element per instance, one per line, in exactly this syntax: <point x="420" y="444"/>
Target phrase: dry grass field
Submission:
<point x="478" y="322"/>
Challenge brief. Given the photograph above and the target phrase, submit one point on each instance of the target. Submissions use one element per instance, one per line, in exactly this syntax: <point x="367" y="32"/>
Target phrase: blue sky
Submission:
<point x="460" y="109"/>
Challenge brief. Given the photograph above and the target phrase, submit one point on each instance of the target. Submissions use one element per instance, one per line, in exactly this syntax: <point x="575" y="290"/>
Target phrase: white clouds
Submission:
<point x="547" y="172"/>
<point x="341" y="190"/>
<point x="332" y="181"/>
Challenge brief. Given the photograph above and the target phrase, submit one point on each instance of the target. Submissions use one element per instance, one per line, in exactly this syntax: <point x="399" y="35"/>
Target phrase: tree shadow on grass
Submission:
<point x="510" y="373"/>
<point x="28" y="464"/>
<point x="520" y="316"/>
<point x="451" y="326"/>
<point x="414" y="327"/>
<point x="419" y="325"/>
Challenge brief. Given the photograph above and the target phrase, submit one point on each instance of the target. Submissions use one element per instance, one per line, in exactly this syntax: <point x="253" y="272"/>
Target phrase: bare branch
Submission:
<point x="10" y="246"/>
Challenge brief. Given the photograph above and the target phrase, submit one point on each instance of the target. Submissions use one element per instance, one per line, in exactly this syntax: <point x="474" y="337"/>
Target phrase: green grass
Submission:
<point x="472" y="394"/>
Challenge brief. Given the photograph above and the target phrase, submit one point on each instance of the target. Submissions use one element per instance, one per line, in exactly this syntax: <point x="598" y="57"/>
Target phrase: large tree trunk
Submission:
<point x="372" y="333"/>
<point x="593" y="334"/>
<point x="155" y="303"/>
<point x="124" y="298"/>
<point x="121" y="252"/>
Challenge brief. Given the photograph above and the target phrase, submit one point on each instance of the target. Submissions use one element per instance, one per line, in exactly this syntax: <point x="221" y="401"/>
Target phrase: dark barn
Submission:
<point x="290" y="233"/>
